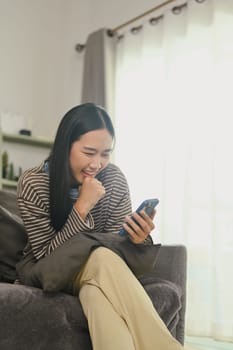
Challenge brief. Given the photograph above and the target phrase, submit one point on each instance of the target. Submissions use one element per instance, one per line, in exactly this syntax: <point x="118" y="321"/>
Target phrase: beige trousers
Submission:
<point x="120" y="314"/>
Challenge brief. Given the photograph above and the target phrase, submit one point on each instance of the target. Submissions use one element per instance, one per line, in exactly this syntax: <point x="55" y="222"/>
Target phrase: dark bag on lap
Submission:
<point x="56" y="271"/>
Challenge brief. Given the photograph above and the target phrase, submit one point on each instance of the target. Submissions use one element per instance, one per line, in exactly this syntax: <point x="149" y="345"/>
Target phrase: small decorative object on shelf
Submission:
<point x="16" y="178"/>
<point x="25" y="132"/>
<point x="10" y="174"/>
<point x="4" y="164"/>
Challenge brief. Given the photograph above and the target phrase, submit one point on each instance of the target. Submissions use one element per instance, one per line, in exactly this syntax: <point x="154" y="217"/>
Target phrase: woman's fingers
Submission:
<point x="140" y="226"/>
<point x="146" y="218"/>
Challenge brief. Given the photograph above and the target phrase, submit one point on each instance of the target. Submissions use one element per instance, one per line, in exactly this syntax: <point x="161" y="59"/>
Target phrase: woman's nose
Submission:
<point x="95" y="164"/>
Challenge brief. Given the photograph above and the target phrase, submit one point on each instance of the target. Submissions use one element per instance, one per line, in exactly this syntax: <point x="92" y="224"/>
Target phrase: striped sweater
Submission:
<point x="33" y="200"/>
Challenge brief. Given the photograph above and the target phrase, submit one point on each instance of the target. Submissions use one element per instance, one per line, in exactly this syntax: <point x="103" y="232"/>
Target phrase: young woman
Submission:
<point x="78" y="190"/>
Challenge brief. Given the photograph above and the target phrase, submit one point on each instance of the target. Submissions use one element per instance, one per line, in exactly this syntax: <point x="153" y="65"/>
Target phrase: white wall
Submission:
<point x="40" y="71"/>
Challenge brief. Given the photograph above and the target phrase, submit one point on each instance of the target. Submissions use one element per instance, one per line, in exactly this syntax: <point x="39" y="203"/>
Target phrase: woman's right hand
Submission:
<point x="91" y="191"/>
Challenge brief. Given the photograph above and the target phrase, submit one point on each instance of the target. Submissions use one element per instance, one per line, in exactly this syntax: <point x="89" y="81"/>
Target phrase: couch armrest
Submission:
<point x="171" y="265"/>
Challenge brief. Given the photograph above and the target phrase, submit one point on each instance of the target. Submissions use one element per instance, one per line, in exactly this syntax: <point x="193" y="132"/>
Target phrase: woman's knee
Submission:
<point x="102" y="259"/>
<point x="103" y="263"/>
<point x="103" y="255"/>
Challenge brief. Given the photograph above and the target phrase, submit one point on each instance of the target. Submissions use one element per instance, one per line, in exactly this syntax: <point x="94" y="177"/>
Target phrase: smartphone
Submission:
<point x="148" y="205"/>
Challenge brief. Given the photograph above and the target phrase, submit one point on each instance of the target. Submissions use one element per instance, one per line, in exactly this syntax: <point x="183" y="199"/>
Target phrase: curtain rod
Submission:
<point x="112" y="32"/>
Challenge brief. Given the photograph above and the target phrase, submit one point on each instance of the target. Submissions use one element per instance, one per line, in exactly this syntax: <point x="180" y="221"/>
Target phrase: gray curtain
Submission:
<point x="99" y="70"/>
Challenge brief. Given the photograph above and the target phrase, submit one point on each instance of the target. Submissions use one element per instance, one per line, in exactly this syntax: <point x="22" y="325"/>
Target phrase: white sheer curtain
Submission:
<point x="174" y="106"/>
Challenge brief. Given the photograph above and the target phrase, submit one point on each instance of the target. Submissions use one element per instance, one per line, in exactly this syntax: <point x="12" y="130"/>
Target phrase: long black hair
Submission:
<point x="75" y="123"/>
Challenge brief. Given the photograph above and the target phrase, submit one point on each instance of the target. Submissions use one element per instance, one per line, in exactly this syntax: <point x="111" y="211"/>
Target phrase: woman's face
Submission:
<point x="90" y="154"/>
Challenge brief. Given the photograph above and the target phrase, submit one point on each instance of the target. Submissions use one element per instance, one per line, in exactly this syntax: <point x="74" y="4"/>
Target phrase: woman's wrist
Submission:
<point x="81" y="211"/>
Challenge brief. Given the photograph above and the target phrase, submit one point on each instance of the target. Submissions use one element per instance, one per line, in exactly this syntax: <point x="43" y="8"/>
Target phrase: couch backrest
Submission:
<point x="8" y="199"/>
<point x="13" y="237"/>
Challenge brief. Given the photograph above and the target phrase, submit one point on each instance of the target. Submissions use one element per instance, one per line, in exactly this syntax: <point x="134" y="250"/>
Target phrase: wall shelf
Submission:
<point x="27" y="140"/>
<point x="39" y="142"/>
<point x="9" y="183"/>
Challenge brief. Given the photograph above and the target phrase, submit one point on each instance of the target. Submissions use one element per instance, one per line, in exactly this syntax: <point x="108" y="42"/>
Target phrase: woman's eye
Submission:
<point x="106" y="155"/>
<point x="89" y="154"/>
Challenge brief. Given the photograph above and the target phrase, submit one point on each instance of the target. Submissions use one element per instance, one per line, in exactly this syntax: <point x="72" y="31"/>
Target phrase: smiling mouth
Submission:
<point x="89" y="174"/>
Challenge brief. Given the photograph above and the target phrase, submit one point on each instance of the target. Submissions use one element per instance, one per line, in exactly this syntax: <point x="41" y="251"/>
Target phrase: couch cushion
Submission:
<point x="32" y="319"/>
<point x="55" y="321"/>
<point x="12" y="236"/>
<point x="166" y="297"/>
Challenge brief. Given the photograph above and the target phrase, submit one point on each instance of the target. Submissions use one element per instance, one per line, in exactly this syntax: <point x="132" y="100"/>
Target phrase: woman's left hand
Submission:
<point x="139" y="230"/>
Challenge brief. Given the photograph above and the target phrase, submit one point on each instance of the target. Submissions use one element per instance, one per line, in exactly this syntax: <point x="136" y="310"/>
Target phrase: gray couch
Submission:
<point x="32" y="319"/>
